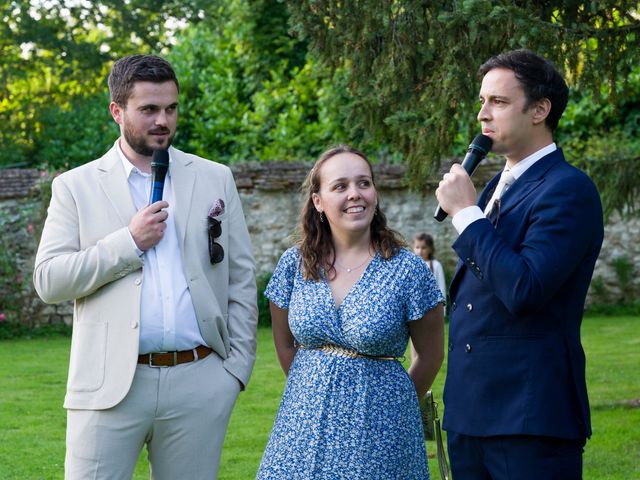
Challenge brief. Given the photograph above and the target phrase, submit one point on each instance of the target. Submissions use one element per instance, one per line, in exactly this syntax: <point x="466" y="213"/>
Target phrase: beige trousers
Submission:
<point x="181" y="413"/>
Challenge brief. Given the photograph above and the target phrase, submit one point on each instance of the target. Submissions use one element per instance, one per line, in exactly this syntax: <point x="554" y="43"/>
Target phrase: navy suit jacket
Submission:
<point x="515" y="363"/>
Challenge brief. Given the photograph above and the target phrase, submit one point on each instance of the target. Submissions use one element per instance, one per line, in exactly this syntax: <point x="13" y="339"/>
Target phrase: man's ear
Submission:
<point x="541" y="110"/>
<point x="116" y="112"/>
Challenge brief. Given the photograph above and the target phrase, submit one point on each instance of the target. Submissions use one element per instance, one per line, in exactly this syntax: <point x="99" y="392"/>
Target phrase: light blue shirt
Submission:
<point x="167" y="318"/>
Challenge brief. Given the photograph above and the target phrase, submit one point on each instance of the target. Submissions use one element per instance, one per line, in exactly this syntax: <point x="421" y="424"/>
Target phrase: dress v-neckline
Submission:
<point x="336" y="308"/>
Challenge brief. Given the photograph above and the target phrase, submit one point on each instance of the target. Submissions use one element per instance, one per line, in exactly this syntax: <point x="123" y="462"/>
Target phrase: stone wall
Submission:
<point x="271" y="198"/>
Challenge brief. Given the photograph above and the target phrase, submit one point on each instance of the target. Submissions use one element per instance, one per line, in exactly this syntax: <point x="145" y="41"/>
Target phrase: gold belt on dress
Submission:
<point x="347" y="352"/>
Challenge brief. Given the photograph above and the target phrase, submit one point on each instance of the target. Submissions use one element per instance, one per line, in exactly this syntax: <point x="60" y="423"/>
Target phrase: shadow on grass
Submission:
<point x="624" y="404"/>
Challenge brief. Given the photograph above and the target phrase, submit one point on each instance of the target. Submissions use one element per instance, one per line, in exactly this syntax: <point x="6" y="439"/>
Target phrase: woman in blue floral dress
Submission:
<point x="344" y="303"/>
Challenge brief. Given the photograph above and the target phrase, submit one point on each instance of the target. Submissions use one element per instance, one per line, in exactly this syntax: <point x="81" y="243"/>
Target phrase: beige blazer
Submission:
<point x="86" y="255"/>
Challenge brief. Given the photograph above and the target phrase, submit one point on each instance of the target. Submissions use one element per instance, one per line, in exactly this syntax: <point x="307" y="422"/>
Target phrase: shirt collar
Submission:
<point x="130" y="167"/>
<point x="522" y="166"/>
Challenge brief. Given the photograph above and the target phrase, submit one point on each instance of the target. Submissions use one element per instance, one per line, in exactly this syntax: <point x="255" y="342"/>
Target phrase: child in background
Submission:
<point x="423" y="247"/>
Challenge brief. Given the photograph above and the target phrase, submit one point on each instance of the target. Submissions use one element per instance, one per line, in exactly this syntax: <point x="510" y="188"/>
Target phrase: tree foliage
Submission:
<point x="393" y="77"/>
<point x="603" y="139"/>
<point x="248" y="90"/>
<point x="412" y="64"/>
<point x="55" y="54"/>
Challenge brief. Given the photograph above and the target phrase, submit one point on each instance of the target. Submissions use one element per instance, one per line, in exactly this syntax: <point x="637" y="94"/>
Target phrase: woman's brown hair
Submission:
<point x="316" y="243"/>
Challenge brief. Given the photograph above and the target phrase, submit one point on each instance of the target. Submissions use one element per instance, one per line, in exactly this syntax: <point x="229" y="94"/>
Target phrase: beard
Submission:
<point x="141" y="146"/>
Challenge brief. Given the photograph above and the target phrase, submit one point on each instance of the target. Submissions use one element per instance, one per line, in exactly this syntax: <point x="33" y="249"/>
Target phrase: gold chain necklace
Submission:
<point x="349" y="270"/>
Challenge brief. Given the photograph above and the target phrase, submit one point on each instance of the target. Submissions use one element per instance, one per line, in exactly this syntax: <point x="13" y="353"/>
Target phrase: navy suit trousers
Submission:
<point x="514" y="457"/>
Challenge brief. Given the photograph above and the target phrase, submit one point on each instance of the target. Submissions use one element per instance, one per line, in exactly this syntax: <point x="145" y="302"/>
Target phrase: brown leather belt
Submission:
<point x="171" y="359"/>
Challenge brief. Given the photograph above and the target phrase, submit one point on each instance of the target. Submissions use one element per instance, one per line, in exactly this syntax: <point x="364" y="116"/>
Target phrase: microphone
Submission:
<point x="159" y="167"/>
<point x="480" y="146"/>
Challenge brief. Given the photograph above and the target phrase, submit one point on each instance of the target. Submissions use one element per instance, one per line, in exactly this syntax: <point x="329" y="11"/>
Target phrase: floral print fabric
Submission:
<point x="350" y="418"/>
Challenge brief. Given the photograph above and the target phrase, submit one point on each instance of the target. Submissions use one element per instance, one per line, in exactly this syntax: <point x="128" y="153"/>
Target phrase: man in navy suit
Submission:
<point x="516" y="404"/>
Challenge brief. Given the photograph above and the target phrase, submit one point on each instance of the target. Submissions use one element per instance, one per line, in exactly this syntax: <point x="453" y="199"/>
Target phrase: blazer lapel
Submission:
<point x="115" y="186"/>
<point x="486" y="194"/>
<point x="183" y="177"/>
<point x="529" y="181"/>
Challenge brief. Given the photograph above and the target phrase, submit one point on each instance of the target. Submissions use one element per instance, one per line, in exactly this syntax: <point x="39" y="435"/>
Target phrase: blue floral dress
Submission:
<point x="341" y="417"/>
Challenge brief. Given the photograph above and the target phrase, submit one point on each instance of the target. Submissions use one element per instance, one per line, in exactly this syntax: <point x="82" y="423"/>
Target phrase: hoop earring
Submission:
<point x="321" y="216"/>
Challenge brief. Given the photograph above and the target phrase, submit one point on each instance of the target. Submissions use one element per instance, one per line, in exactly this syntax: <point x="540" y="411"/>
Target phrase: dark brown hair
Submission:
<point x="126" y="71"/>
<point x="428" y="241"/>
<point x="538" y="77"/>
<point x="316" y="242"/>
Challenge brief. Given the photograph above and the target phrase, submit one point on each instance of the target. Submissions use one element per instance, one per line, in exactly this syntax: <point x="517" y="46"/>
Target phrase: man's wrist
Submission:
<point x="133" y="242"/>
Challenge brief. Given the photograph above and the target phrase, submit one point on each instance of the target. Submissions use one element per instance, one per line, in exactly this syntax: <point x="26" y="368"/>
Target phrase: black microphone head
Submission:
<point x="482" y="143"/>
<point x="160" y="159"/>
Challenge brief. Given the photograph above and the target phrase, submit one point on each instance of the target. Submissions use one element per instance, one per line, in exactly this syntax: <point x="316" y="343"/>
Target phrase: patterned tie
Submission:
<point x="506" y="179"/>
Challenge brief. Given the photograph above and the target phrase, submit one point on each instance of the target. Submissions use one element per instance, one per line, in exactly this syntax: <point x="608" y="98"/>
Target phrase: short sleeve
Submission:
<point x="421" y="290"/>
<point x="280" y="285"/>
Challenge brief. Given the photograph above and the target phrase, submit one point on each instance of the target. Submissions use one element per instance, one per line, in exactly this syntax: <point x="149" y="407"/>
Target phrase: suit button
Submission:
<point x="469" y="307"/>
<point x="453" y="305"/>
<point x="467" y="348"/>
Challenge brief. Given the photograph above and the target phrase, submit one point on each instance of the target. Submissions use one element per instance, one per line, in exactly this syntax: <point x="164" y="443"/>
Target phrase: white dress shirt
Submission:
<point x="467" y="216"/>
<point x="167" y="317"/>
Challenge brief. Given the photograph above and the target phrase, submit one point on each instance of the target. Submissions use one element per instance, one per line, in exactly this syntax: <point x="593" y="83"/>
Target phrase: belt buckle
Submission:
<point x="175" y="360"/>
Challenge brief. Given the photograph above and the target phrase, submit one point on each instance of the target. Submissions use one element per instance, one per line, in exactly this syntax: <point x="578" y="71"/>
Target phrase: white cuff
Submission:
<point x="466" y="217"/>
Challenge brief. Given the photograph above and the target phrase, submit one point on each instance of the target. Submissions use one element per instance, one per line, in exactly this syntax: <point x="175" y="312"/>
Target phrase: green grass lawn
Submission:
<point x="32" y="420"/>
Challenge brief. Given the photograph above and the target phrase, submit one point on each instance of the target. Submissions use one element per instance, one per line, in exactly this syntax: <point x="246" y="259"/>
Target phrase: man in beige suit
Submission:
<point x="165" y="297"/>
